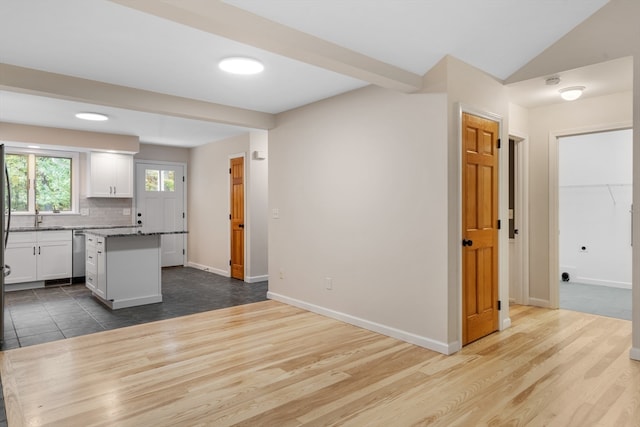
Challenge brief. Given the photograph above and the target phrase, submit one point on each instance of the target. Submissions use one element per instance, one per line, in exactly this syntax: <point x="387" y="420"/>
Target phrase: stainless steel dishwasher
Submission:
<point x="78" y="257"/>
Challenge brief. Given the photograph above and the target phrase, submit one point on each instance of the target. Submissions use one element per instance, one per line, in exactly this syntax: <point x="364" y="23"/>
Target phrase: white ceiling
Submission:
<point x="106" y="41"/>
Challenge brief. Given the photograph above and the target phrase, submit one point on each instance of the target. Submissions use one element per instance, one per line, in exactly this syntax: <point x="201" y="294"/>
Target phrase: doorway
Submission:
<point x="236" y="217"/>
<point x="160" y="195"/>
<point x="594" y="215"/>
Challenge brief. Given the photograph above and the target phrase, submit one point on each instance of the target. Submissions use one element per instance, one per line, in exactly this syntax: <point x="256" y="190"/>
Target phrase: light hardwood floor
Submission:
<point x="269" y="364"/>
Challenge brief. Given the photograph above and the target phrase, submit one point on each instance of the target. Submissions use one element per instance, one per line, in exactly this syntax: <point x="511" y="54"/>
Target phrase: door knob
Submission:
<point x="466" y="242"/>
<point x="241" y="225"/>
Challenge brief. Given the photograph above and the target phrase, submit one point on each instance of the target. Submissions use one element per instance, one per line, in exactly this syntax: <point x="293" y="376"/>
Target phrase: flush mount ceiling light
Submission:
<point x="241" y="65"/>
<point x="96" y="117"/>
<point x="571" y="93"/>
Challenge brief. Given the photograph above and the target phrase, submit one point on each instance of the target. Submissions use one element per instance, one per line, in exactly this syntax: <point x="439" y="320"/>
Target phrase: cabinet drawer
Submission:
<point x="54" y="236"/>
<point x="90" y="280"/>
<point x="22" y="237"/>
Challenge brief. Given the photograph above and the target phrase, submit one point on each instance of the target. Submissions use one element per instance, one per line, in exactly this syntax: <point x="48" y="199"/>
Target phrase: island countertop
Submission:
<point x="131" y="231"/>
<point x="67" y="227"/>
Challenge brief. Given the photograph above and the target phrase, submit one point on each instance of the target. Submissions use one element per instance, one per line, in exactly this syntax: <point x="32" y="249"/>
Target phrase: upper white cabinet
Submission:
<point x="109" y="175"/>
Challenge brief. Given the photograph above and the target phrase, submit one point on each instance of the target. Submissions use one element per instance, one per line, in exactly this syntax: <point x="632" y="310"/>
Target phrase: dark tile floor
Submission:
<point x="59" y="312"/>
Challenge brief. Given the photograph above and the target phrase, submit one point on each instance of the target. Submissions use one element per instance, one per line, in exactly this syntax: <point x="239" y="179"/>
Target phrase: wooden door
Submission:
<point x="479" y="227"/>
<point x="237" y="217"/>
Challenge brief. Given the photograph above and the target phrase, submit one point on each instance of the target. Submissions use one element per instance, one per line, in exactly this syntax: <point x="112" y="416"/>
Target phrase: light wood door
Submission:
<point x="479" y="227"/>
<point x="237" y="217"/>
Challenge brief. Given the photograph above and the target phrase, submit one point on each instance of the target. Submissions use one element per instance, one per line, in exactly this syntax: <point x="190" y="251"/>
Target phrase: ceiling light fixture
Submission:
<point x="571" y="93"/>
<point x="96" y="117"/>
<point x="551" y="81"/>
<point x="241" y="65"/>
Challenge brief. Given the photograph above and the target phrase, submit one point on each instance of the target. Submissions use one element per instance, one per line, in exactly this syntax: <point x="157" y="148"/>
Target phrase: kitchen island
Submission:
<point x="123" y="266"/>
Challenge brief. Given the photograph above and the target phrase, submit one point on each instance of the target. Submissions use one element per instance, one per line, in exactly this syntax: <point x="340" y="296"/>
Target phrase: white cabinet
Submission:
<point x="38" y="255"/>
<point x="124" y="271"/>
<point x="109" y="175"/>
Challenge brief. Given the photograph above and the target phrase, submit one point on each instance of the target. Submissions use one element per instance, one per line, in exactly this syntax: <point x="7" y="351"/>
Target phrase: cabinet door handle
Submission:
<point x="34" y="250"/>
<point x="38" y="250"/>
<point x="114" y="190"/>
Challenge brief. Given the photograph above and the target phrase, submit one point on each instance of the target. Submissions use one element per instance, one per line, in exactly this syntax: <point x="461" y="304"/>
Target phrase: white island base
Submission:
<point x="124" y="270"/>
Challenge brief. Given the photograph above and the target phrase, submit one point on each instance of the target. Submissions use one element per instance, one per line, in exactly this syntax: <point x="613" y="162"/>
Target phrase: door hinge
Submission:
<point x="229" y="171"/>
<point x="183" y="252"/>
<point x="183" y="178"/>
<point x="499" y="224"/>
<point x="229" y="216"/>
<point x="499" y="143"/>
<point x="229" y="262"/>
<point x="499" y="305"/>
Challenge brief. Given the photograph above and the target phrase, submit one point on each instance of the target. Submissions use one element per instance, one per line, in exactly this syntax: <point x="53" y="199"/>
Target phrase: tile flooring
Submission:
<point x="59" y="312"/>
<point x="601" y="300"/>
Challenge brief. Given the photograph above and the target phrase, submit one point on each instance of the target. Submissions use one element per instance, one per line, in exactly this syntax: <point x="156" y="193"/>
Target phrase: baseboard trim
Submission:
<point x="506" y="323"/>
<point x="539" y="302"/>
<point x="389" y="331"/>
<point x="224" y="273"/>
<point x="256" y="279"/>
<point x="634" y="353"/>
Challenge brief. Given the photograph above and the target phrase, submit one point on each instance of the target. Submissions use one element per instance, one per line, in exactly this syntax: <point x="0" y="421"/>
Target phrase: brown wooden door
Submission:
<point x="479" y="227"/>
<point x="237" y="217"/>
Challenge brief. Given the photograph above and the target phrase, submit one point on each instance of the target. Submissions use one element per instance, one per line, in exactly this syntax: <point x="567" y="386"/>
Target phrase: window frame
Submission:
<point x="31" y="197"/>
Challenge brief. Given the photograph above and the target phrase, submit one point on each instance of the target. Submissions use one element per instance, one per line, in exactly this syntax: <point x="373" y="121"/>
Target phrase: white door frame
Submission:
<point x="185" y="256"/>
<point x="554" y="203"/>
<point x="522" y="214"/>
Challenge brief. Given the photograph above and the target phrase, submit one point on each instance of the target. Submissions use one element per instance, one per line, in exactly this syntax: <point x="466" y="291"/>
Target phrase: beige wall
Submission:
<point x="163" y="153"/>
<point x="566" y="118"/>
<point x="256" y="222"/>
<point x="359" y="181"/>
<point x="208" y="203"/>
<point x="67" y="138"/>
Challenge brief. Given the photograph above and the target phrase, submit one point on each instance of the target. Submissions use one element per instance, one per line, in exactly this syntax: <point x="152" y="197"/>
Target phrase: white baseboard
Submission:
<point x="255" y="279"/>
<point x="600" y="282"/>
<point x="539" y="302"/>
<point x="409" y="337"/>
<point x="224" y="273"/>
<point x="506" y="323"/>
<point x="634" y="353"/>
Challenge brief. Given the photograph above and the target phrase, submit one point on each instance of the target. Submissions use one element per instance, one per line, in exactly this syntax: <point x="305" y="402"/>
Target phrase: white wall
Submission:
<point x="360" y="184"/>
<point x="595" y="191"/>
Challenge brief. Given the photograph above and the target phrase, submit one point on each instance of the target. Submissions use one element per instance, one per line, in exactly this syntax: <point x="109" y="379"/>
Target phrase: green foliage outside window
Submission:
<point x="18" y="167"/>
<point x="52" y="183"/>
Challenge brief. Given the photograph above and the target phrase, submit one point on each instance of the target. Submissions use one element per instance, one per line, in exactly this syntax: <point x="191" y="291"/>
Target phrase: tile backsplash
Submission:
<point x="100" y="211"/>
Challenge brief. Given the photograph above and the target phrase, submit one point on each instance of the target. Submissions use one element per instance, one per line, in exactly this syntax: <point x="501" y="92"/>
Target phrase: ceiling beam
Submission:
<point x="43" y="83"/>
<point x="216" y="17"/>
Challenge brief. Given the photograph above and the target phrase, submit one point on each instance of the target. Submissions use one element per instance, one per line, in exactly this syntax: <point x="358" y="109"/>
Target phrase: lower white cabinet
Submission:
<point x="39" y="255"/>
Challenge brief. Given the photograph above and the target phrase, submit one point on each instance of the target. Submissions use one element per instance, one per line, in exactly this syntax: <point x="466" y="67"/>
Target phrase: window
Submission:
<point x="159" y="180"/>
<point x="42" y="181"/>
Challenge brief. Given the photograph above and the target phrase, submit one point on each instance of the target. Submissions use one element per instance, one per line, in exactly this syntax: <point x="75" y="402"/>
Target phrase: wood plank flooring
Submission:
<point x="269" y="364"/>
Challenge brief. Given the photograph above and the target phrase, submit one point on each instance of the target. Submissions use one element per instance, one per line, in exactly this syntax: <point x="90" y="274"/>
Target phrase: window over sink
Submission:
<point x="42" y="180"/>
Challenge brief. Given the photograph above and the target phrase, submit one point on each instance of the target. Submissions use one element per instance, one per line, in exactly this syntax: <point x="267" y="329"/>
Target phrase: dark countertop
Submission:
<point x="67" y="227"/>
<point x="129" y="231"/>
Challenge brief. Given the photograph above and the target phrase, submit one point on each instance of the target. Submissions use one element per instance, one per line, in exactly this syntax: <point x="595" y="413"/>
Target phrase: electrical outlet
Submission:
<point x="328" y="283"/>
<point x="281" y="273"/>
<point x="126" y="211"/>
<point x="84" y="211"/>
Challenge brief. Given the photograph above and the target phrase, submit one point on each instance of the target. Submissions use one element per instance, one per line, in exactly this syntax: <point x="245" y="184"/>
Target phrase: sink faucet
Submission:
<point x="37" y="220"/>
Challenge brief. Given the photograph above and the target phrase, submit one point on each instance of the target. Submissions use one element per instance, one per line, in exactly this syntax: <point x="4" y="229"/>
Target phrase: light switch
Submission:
<point x="126" y="211"/>
<point x="275" y="213"/>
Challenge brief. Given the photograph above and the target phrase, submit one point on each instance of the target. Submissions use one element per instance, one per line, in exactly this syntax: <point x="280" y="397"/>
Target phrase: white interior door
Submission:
<point x="160" y="206"/>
